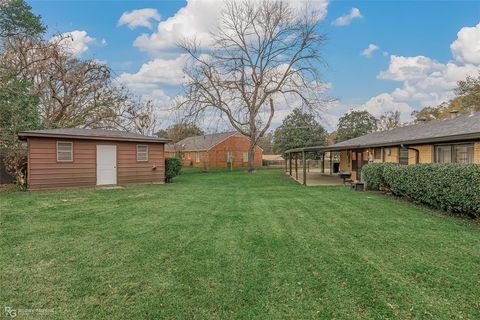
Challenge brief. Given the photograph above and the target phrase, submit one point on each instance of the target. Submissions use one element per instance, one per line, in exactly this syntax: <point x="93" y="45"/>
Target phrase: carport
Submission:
<point x="313" y="165"/>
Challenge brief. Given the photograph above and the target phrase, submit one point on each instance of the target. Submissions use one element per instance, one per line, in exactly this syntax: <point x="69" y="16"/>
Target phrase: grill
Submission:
<point x="345" y="175"/>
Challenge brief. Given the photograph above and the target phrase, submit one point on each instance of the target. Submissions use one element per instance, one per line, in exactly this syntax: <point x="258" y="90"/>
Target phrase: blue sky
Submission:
<point x="413" y="65"/>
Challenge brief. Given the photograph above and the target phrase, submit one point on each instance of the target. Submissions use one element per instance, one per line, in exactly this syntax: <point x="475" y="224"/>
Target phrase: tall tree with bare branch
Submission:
<point x="263" y="54"/>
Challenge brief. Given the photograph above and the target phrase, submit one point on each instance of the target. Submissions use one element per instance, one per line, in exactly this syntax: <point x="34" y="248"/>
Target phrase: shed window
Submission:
<point x="197" y="156"/>
<point x="64" y="151"/>
<point x="245" y="157"/>
<point x="142" y="152"/>
<point x="377" y="153"/>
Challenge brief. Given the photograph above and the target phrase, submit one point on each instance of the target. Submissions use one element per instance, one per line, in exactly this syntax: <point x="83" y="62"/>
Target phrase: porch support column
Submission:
<point x="296" y="166"/>
<point x="290" y="163"/>
<point x="331" y="163"/>
<point x="323" y="162"/>
<point x="304" y="168"/>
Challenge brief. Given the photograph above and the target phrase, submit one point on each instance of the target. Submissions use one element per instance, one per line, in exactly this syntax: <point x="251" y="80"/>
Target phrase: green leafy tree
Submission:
<point x="355" y="124"/>
<point x="180" y="131"/>
<point x="466" y="100"/>
<point x="299" y="129"/>
<point x="18" y="112"/>
<point x="17" y="20"/>
<point x="267" y="143"/>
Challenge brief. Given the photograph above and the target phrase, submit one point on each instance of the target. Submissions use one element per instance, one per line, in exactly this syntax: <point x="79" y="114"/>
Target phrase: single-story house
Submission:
<point x="454" y="140"/>
<point x="62" y="158"/>
<point x="273" y="157"/>
<point x="218" y="150"/>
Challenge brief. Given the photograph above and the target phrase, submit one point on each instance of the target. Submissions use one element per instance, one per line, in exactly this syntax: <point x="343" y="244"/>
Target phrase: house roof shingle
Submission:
<point x="204" y="142"/>
<point x="96" y="134"/>
<point x="462" y="127"/>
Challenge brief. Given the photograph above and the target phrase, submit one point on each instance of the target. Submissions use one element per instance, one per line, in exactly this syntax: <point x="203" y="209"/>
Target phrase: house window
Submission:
<point x="142" y="152"/>
<point x="229" y="156"/>
<point x="454" y="153"/>
<point x="189" y="156"/>
<point x="197" y="156"/>
<point x="245" y="157"/>
<point x="377" y="153"/>
<point x="403" y="156"/>
<point x="64" y="151"/>
<point x="388" y="152"/>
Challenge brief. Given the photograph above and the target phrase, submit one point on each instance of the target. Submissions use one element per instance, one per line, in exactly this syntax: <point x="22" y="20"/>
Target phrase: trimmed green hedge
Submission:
<point x="374" y="175"/>
<point x="452" y="187"/>
<point x="172" y="168"/>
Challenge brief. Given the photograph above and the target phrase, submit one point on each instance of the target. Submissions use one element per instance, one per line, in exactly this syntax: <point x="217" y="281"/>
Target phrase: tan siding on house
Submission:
<point x="393" y="155"/>
<point x="345" y="165"/>
<point x="46" y="173"/>
<point x="425" y="154"/>
<point x="476" y="154"/>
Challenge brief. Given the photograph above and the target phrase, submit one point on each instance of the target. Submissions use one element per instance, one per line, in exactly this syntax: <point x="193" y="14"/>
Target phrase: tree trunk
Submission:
<point x="251" y="156"/>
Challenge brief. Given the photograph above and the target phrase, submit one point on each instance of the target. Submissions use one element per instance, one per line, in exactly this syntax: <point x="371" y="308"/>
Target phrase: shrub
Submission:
<point x="172" y="168"/>
<point x="452" y="187"/>
<point x="374" y="175"/>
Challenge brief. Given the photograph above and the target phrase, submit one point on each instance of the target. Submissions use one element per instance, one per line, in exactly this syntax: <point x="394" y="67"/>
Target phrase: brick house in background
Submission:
<point x="216" y="150"/>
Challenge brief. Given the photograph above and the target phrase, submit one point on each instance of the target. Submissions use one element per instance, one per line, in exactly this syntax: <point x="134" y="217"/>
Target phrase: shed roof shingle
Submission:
<point x="97" y="134"/>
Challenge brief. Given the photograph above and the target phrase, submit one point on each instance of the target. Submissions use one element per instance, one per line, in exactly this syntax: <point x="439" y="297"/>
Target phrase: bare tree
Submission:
<point x="262" y="52"/>
<point x="139" y="116"/>
<point x="389" y="120"/>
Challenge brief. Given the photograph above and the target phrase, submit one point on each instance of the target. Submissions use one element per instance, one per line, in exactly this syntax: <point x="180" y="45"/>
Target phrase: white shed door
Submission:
<point x="106" y="164"/>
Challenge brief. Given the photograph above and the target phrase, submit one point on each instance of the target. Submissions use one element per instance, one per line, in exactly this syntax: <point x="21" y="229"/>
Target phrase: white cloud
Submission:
<point x="345" y="20"/>
<point x="385" y="102"/>
<point x="466" y="48"/>
<point x="139" y="18"/>
<point x="409" y="68"/>
<point x="75" y="42"/>
<point x="197" y="19"/>
<point x="368" y="52"/>
<point x="425" y="81"/>
<point x="155" y="74"/>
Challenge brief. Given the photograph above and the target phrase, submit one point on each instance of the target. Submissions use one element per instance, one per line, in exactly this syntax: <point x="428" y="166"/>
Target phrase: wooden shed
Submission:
<point x="218" y="150"/>
<point x="64" y="158"/>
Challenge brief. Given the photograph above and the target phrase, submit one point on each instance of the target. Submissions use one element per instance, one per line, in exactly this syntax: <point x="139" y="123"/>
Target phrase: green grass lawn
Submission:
<point x="223" y="245"/>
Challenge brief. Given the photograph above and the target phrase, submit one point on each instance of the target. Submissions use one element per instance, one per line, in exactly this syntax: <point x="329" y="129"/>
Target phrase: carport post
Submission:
<point x="331" y="163"/>
<point x="296" y="166"/>
<point x="304" y="168"/>
<point x="286" y="162"/>
<point x="290" y="163"/>
<point x="323" y="162"/>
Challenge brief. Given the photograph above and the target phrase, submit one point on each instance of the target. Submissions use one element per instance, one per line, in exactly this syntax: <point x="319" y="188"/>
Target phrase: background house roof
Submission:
<point x="462" y="127"/>
<point x="96" y="134"/>
<point x="204" y="142"/>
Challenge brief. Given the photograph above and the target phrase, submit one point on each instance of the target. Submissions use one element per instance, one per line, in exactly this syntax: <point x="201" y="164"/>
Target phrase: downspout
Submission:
<point x="417" y="152"/>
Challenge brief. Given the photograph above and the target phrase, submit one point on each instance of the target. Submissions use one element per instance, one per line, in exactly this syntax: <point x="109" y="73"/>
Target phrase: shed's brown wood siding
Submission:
<point x="132" y="171"/>
<point x="46" y="173"/>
